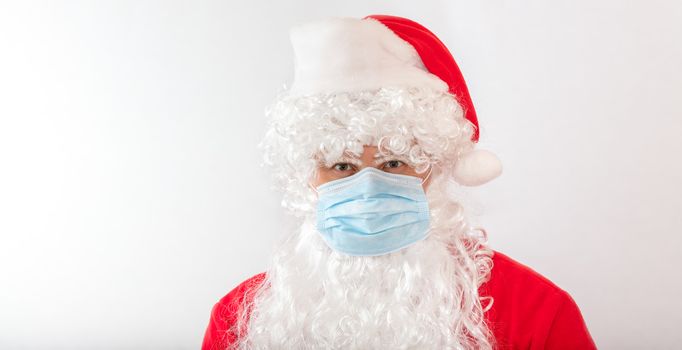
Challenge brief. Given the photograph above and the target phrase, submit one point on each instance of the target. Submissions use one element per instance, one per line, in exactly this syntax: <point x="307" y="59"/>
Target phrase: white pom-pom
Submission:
<point x="477" y="167"/>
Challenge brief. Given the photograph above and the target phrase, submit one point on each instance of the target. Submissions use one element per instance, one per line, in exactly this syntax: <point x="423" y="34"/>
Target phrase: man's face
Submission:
<point x="349" y="165"/>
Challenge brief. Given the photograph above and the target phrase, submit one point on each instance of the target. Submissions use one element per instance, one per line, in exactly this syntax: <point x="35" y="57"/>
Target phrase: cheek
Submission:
<point x="321" y="176"/>
<point x="406" y="170"/>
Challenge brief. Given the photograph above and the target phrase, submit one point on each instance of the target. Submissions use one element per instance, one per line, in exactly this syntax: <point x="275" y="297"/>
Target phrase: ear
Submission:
<point x="477" y="167"/>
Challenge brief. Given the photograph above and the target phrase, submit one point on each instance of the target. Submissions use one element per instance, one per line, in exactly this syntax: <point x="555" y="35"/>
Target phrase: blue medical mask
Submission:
<point x="372" y="212"/>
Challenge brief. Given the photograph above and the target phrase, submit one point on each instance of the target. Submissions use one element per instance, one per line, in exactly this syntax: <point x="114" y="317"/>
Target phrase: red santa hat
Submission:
<point x="348" y="54"/>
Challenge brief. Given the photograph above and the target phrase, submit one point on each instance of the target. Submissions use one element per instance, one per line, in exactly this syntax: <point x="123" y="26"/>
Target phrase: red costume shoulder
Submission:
<point x="219" y="333"/>
<point x="531" y="312"/>
<point x="528" y="311"/>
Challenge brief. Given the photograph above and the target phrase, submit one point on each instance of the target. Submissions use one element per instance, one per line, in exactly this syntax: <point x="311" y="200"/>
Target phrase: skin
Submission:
<point x="350" y="164"/>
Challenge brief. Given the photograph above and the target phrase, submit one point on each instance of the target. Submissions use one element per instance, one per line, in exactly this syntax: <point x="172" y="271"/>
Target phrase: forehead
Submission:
<point x="368" y="151"/>
<point x="369" y="154"/>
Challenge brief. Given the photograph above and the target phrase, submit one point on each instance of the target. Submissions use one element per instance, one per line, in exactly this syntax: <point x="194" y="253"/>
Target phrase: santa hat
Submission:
<point x="348" y="54"/>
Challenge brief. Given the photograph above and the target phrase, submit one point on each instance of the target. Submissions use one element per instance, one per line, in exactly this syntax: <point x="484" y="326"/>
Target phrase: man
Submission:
<point x="367" y="145"/>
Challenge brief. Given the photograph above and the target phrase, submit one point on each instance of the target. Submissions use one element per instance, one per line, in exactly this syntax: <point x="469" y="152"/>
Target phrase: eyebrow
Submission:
<point x="377" y="156"/>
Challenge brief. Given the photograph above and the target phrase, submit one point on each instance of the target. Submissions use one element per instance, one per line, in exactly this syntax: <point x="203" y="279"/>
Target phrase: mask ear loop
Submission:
<point x="427" y="175"/>
<point x="313" y="187"/>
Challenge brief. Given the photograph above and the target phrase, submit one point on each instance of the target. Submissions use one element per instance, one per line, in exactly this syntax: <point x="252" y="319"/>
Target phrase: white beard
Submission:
<point x="422" y="297"/>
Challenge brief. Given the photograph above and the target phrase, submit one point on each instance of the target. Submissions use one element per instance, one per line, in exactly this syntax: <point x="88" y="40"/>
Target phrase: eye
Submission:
<point x="343" y="167"/>
<point x="393" y="164"/>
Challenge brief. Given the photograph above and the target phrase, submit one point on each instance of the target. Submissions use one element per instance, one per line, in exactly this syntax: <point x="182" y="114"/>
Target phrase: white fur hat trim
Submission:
<point x="349" y="54"/>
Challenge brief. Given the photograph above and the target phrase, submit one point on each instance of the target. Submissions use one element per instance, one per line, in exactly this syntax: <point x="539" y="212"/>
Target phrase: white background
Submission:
<point x="131" y="196"/>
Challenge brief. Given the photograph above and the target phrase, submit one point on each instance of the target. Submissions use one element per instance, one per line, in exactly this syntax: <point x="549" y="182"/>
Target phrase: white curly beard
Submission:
<point x="422" y="297"/>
